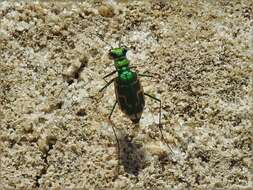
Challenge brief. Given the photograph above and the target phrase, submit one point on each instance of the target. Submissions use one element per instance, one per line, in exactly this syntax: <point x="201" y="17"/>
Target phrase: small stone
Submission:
<point x="83" y="60"/>
<point x="28" y="128"/>
<point x="106" y="11"/>
<point x="169" y="138"/>
<point x="156" y="149"/>
<point x="81" y="112"/>
<point x="43" y="147"/>
<point x="74" y="70"/>
<point x="21" y="26"/>
<point x="56" y="30"/>
<point x="51" y="140"/>
<point x="73" y="147"/>
<point x="51" y="106"/>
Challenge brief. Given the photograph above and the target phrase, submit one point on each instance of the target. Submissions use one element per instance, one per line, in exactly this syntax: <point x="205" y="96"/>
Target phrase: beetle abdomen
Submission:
<point x="130" y="98"/>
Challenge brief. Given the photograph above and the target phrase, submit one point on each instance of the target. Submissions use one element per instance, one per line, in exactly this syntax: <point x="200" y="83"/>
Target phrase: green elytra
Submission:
<point x="128" y="90"/>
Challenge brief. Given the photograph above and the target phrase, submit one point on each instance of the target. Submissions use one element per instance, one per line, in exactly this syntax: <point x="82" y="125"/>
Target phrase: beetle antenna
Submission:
<point x="102" y="38"/>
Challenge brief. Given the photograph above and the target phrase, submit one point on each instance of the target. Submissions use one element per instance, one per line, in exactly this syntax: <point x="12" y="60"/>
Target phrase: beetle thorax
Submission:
<point x="126" y="75"/>
<point x="121" y="63"/>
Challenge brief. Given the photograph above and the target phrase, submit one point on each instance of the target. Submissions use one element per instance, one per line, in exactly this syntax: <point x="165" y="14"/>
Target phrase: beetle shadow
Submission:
<point x="132" y="155"/>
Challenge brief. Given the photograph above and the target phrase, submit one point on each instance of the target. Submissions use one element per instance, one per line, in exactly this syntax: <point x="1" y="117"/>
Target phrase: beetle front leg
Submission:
<point x="111" y="73"/>
<point x="107" y="84"/>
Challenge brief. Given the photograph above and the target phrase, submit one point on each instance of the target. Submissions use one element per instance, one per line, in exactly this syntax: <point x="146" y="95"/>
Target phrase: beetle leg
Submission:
<point x="107" y="84"/>
<point x="114" y="131"/>
<point x="131" y="67"/>
<point x="151" y="76"/>
<point x="113" y="108"/>
<point x="144" y="75"/>
<point x="114" y="105"/>
<point x="160" y="114"/>
<point x="111" y="73"/>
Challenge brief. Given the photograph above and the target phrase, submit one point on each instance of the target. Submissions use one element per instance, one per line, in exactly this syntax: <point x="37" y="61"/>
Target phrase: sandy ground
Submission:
<point x="54" y="130"/>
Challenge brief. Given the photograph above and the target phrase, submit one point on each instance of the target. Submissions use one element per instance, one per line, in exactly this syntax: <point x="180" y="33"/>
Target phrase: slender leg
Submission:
<point x="144" y="75"/>
<point x="113" y="108"/>
<point x="131" y="67"/>
<point x="111" y="73"/>
<point x="114" y="105"/>
<point x="114" y="131"/>
<point x="160" y="114"/>
<point x="107" y="84"/>
<point x="151" y="76"/>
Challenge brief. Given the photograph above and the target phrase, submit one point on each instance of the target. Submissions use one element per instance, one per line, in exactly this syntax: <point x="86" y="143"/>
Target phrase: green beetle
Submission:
<point x="128" y="89"/>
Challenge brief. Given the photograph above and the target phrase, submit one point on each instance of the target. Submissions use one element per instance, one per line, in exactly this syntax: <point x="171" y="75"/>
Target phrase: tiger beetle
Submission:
<point x="128" y="89"/>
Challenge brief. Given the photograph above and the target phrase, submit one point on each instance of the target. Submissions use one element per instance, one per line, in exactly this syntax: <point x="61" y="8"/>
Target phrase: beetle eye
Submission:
<point x="124" y="51"/>
<point x="113" y="55"/>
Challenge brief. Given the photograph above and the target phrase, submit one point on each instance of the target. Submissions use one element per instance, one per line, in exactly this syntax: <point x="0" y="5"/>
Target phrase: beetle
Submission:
<point x="128" y="89"/>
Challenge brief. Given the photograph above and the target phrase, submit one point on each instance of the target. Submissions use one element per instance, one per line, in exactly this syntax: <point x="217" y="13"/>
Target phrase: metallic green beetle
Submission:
<point x="128" y="90"/>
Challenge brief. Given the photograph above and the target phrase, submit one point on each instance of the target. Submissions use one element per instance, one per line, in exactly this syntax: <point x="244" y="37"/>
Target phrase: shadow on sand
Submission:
<point x="132" y="155"/>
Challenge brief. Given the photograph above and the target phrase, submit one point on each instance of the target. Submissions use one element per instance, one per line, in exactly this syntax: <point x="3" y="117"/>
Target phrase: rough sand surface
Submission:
<point x="53" y="126"/>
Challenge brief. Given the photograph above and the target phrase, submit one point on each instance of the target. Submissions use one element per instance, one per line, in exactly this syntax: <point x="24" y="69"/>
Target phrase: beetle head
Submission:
<point x="118" y="53"/>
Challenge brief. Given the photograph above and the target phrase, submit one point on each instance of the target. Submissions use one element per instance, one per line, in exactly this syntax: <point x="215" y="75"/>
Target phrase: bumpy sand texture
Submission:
<point x="54" y="132"/>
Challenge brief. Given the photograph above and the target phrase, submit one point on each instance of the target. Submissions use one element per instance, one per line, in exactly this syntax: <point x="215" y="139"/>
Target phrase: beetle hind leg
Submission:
<point x="160" y="115"/>
<point x="115" y="134"/>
